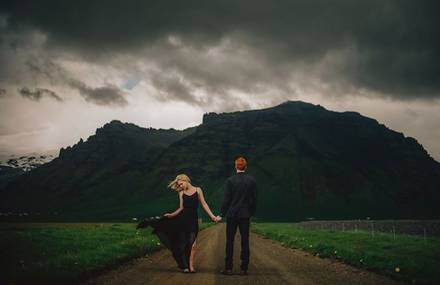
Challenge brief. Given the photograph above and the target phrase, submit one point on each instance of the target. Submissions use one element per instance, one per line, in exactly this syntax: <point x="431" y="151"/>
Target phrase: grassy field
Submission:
<point x="65" y="253"/>
<point x="404" y="257"/>
<point x="427" y="228"/>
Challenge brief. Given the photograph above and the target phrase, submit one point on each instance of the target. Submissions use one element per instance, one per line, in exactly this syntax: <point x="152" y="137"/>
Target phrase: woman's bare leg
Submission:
<point x="192" y="256"/>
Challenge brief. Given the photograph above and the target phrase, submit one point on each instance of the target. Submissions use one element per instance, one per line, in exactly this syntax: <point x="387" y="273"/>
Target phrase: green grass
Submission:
<point x="416" y="259"/>
<point x="65" y="253"/>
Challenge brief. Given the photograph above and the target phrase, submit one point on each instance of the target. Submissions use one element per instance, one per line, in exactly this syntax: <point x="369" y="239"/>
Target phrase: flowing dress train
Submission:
<point x="178" y="233"/>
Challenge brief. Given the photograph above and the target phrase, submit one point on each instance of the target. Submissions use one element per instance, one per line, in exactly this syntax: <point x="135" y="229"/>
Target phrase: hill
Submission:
<point x="308" y="162"/>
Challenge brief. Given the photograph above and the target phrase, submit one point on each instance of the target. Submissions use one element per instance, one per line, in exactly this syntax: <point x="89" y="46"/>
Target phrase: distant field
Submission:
<point x="415" y="227"/>
<point x="64" y="253"/>
<point x="404" y="257"/>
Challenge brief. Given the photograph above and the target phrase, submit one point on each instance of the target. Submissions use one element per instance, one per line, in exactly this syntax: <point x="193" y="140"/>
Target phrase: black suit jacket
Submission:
<point x="240" y="197"/>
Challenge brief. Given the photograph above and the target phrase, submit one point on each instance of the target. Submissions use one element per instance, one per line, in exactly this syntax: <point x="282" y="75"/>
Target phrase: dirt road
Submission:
<point x="271" y="264"/>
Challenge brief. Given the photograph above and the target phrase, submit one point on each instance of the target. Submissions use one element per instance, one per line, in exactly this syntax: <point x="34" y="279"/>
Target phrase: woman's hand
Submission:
<point x="217" y="219"/>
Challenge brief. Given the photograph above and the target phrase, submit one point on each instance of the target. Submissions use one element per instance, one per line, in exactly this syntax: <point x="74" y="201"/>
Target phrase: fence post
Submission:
<point x="394" y="232"/>
<point x="424" y="235"/>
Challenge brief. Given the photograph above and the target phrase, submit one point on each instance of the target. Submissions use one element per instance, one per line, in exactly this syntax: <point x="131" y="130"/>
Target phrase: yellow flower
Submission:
<point x="397" y="269"/>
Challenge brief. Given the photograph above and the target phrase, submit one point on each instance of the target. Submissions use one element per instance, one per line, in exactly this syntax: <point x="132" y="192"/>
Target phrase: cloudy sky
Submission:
<point x="68" y="67"/>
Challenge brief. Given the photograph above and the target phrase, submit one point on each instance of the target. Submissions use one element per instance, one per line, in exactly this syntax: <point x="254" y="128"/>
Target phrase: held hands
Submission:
<point x="217" y="219"/>
<point x="168" y="215"/>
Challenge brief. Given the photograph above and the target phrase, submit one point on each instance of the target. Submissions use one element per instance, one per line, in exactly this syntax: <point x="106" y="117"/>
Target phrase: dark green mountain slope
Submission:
<point x="8" y="173"/>
<point x="101" y="171"/>
<point x="308" y="161"/>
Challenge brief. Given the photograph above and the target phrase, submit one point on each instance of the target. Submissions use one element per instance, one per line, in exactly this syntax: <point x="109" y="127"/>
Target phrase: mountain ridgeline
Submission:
<point x="309" y="162"/>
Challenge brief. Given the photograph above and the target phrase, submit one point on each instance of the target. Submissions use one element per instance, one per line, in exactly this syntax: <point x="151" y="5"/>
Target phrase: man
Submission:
<point x="239" y="204"/>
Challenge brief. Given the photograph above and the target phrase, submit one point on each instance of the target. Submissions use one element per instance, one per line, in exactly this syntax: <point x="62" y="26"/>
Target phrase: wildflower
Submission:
<point x="336" y="251"/>
<point x="397" y="269"/>
<point x="158" y="243"/>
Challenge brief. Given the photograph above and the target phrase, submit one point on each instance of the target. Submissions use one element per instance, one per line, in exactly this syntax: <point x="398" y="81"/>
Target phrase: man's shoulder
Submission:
<point x="232" y="178"/>
<point x="240" y="176"/>
<point x="250" y="177"/>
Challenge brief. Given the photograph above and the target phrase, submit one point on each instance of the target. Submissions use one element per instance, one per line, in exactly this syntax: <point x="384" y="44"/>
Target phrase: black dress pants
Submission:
<point x="231" y="228"/>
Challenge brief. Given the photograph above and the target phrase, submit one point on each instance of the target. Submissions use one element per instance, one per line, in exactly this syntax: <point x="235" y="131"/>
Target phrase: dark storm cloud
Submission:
<point x="46" y="69"/>
<point x="390" y="47"/>
<point x="38" y="93"/>
<point x="109" y="95"/>
<point x="173" y="87"/>
<point x="226" y="73"/>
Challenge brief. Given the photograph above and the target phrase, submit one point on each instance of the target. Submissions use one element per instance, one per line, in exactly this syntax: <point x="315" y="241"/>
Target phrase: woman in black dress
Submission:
<point x="178" y="230"/>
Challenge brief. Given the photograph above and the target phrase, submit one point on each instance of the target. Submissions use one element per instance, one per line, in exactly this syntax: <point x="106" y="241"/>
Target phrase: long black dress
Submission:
<point x="178" y="233"/>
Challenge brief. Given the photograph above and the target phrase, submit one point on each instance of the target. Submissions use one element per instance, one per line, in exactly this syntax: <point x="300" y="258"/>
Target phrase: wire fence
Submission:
<point x="423" y="228"/>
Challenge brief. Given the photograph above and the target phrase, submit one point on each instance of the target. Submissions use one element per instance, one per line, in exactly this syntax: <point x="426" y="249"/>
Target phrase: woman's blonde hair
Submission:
<point x="173" y="184"/>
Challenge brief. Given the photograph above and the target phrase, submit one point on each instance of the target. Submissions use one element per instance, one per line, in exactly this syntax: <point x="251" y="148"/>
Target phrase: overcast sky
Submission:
<point x="68" y="67"/>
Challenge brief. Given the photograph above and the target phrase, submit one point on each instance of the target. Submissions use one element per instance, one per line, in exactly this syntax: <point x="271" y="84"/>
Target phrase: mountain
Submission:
<point x="308" y="162"/>
<point x="27" y="162"/>
<point x="16" y="165"/>
<point x="100" y="170"/>
<point x="8" y="173"/>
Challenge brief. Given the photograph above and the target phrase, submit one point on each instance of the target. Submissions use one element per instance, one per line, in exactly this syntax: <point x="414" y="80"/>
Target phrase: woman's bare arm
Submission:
<point x="176" y="212"/>
<point x="205" y="205"/>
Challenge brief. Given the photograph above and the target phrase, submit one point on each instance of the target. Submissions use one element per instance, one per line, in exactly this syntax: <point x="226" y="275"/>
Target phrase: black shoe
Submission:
<point x="243" y="272"/>
<point x="226" y="272"/>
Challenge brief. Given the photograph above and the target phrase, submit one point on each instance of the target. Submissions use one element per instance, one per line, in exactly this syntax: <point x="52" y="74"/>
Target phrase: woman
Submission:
<point x="178" y="230"/>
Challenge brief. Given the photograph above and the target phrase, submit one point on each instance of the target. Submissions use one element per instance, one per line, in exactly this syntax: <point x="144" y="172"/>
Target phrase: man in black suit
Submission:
<point x="239" y="204"/>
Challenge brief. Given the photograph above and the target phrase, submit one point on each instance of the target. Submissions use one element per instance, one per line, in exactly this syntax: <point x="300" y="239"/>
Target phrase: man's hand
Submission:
<point x="168" y="215"/>
<point x="217" y="219"/>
